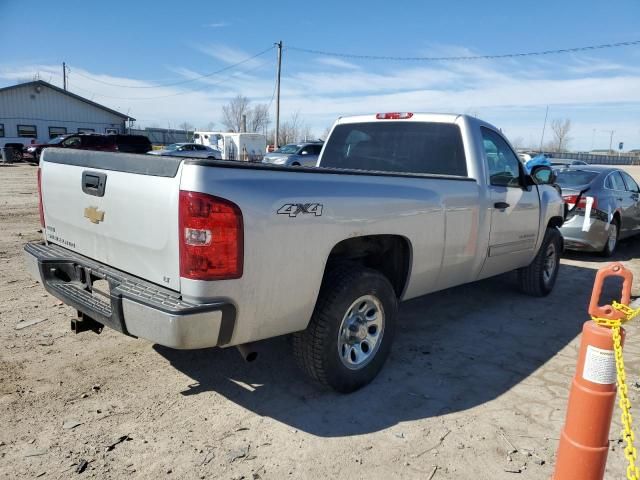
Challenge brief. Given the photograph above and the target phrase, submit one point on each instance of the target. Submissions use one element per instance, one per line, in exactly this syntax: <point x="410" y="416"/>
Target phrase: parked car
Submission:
<point x="95" y="141"/>
<point x="200" y="253"/>
<point x="193" y="150"/>
<point x="603" y="204"/>
<point x="565" y="162"/>
<point x="295" y="154"/>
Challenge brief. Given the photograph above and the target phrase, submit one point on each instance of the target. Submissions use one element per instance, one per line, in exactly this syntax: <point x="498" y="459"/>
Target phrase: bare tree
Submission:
<point x="325" y="134"/>
<point x="210" y="127"/>
<point x="561" y="129"/>
<point x="186" y="126"/>
<point x="518" y="143"/>
<point x="258" y="118"/>
<point x="232" y="113"/>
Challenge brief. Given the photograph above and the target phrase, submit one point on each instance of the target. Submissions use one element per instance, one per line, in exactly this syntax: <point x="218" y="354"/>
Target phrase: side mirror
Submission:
<point x="543" y="175"/>
<point x="304" y="152"/>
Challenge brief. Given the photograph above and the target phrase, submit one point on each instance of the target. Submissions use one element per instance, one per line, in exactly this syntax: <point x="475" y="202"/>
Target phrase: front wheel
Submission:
<point x="351" y="330"/>
<point x="540" y="276"/>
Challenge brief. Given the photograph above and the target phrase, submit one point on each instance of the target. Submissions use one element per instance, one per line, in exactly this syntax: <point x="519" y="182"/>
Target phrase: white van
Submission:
<point x="247" y="147"/>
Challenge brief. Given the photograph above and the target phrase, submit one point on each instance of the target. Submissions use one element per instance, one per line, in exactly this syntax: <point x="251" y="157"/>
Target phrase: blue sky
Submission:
<point x="143" y="44"/>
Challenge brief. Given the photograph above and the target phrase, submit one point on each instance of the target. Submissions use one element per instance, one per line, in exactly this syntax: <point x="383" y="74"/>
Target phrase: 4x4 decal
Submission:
<point x="293" y="209"/>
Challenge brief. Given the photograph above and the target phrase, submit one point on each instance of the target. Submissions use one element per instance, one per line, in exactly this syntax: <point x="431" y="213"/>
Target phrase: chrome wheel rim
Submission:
<point x="613" y="237"/>
<point x="550" y="263"/>
<point x="360" y="333"/>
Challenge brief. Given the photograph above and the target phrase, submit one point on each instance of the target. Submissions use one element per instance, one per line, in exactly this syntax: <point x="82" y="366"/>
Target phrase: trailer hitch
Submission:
<point x="84" y="323"/>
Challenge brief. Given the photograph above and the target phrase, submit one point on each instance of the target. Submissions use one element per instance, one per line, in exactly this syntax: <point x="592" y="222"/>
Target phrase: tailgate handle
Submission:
<point x="93" y="183"/>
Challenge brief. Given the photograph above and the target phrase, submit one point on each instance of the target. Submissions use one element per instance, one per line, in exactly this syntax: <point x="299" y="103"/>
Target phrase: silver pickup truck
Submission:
<point x="194" y="253"/>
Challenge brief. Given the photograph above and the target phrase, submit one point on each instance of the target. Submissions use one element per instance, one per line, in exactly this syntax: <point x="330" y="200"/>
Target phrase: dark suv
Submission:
<point x="295" y="154"/>
<point x="95" y="141"/>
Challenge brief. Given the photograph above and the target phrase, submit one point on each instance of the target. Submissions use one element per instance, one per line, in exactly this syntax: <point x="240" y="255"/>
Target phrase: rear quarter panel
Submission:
<point x="285" y="257"/>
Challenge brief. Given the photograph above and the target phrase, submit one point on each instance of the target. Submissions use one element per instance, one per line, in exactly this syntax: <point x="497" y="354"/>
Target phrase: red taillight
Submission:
<point x="394" y="116"/>
<point x="572" y="199"/>
<point x="40" y="207"/>
<point x="211" y="237"/>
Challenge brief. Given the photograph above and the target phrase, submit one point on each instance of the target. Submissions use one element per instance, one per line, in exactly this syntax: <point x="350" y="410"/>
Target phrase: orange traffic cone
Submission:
<point x="584" y="441"/>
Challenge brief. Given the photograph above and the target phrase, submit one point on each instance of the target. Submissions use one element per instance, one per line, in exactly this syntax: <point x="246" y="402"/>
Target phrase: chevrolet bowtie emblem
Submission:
<point x="93" y="214"/>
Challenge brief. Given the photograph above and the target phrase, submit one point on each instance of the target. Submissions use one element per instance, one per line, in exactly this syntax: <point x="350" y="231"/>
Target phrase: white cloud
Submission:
<point x="336" y="62"/>
<point x="513" y="94"/>
<point x="217" y="25"/>
<point x="227" y="54"/>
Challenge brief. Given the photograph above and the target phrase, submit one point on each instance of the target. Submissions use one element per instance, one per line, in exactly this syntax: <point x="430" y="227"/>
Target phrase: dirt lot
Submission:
<point x="476" y="371"/>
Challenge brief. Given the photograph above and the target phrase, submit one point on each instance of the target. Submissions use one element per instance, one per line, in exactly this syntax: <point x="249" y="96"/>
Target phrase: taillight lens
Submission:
<point x="40" y="207"/>
<point x="572" y="199"/>
<point x="211" y="237"/>
<point x="394" y="116"/>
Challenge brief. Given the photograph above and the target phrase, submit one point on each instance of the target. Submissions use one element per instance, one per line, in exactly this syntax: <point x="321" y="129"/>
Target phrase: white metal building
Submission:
<point x="37" y="111"/>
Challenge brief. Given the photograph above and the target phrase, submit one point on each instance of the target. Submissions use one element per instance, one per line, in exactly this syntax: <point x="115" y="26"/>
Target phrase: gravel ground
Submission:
<point x="476" y="372"/>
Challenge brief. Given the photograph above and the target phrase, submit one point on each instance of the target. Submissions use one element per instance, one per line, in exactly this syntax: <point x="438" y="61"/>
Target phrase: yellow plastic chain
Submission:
<point x="630" y="452"/>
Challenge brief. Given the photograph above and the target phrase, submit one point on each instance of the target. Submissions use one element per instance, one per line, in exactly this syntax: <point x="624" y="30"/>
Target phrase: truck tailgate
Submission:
<point x="119" y="209"/>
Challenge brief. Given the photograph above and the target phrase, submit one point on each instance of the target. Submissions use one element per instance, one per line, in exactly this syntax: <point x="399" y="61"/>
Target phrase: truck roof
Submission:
<point x="414" y="117"/>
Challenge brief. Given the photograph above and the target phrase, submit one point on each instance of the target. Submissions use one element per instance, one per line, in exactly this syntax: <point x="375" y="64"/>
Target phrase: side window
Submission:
<point x="504" y="166"/>
<point x="200" y="147"/>
<point x="617" y="182"/>
<point x="315" y="149"/>
<point x="72" y="142"/>
<point x="28" y="131"/>
<point x="632" y="186"/>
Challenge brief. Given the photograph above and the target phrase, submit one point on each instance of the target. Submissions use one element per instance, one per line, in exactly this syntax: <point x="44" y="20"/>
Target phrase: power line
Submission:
<point x="185" y="92"/>
<point x="181" y="82"/>
<point x="465" y="57"/>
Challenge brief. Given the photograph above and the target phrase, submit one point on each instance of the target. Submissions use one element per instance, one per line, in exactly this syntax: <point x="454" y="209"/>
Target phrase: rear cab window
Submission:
<point x="401" y="147"/>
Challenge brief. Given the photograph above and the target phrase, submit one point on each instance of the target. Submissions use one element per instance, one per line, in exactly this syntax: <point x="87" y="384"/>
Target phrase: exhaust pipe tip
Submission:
<point x="248" y="352"/>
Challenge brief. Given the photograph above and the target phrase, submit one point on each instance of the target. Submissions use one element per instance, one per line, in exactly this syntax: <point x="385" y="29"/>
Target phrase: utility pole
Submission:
<point x="64" y="76"/>
<point x="275" y="141"/>
<point x="611" y="140"/>
<point x="544" y="126"/>
<point x="610" y="132"/>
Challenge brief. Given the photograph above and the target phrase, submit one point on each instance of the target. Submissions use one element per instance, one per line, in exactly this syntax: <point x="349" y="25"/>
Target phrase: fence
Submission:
<point x="595" y="159"/>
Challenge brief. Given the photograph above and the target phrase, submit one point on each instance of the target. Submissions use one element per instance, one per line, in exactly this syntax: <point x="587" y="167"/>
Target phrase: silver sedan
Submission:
<point x="193" y="150"/>
<point x="603" y="206"/>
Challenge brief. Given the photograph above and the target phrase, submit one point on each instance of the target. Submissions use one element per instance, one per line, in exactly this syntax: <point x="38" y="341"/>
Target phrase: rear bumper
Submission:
<point x="135" y="307"/>
<point x="592" y="240"/>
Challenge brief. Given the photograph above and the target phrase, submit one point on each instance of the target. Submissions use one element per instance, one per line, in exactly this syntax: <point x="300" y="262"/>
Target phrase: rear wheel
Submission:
<point x="540" y="276"/>
<point x="612" y="238"/>
<point x="351" y="330"/>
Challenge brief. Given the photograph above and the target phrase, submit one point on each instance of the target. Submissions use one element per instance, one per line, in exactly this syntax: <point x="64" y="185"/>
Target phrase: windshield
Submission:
<point x="288" y="149"/>
<point x="55" y="141"/>
<point x="574" y="178"/>
<point x="173" y="146"/>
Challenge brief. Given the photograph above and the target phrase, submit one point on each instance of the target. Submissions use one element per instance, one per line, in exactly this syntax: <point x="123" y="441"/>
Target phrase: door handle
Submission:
<point x="93" y="183"/>
<point x="501" y="205"/>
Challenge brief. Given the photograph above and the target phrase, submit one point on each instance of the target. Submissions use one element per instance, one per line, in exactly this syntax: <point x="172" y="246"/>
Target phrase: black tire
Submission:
<point x="540" y="276"/>
<point x="608" y="249"/>
<point x="317" y="349"/>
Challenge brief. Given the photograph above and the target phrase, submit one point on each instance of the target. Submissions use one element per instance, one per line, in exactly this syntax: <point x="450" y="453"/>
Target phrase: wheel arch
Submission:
<point x="387" y="253"/>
